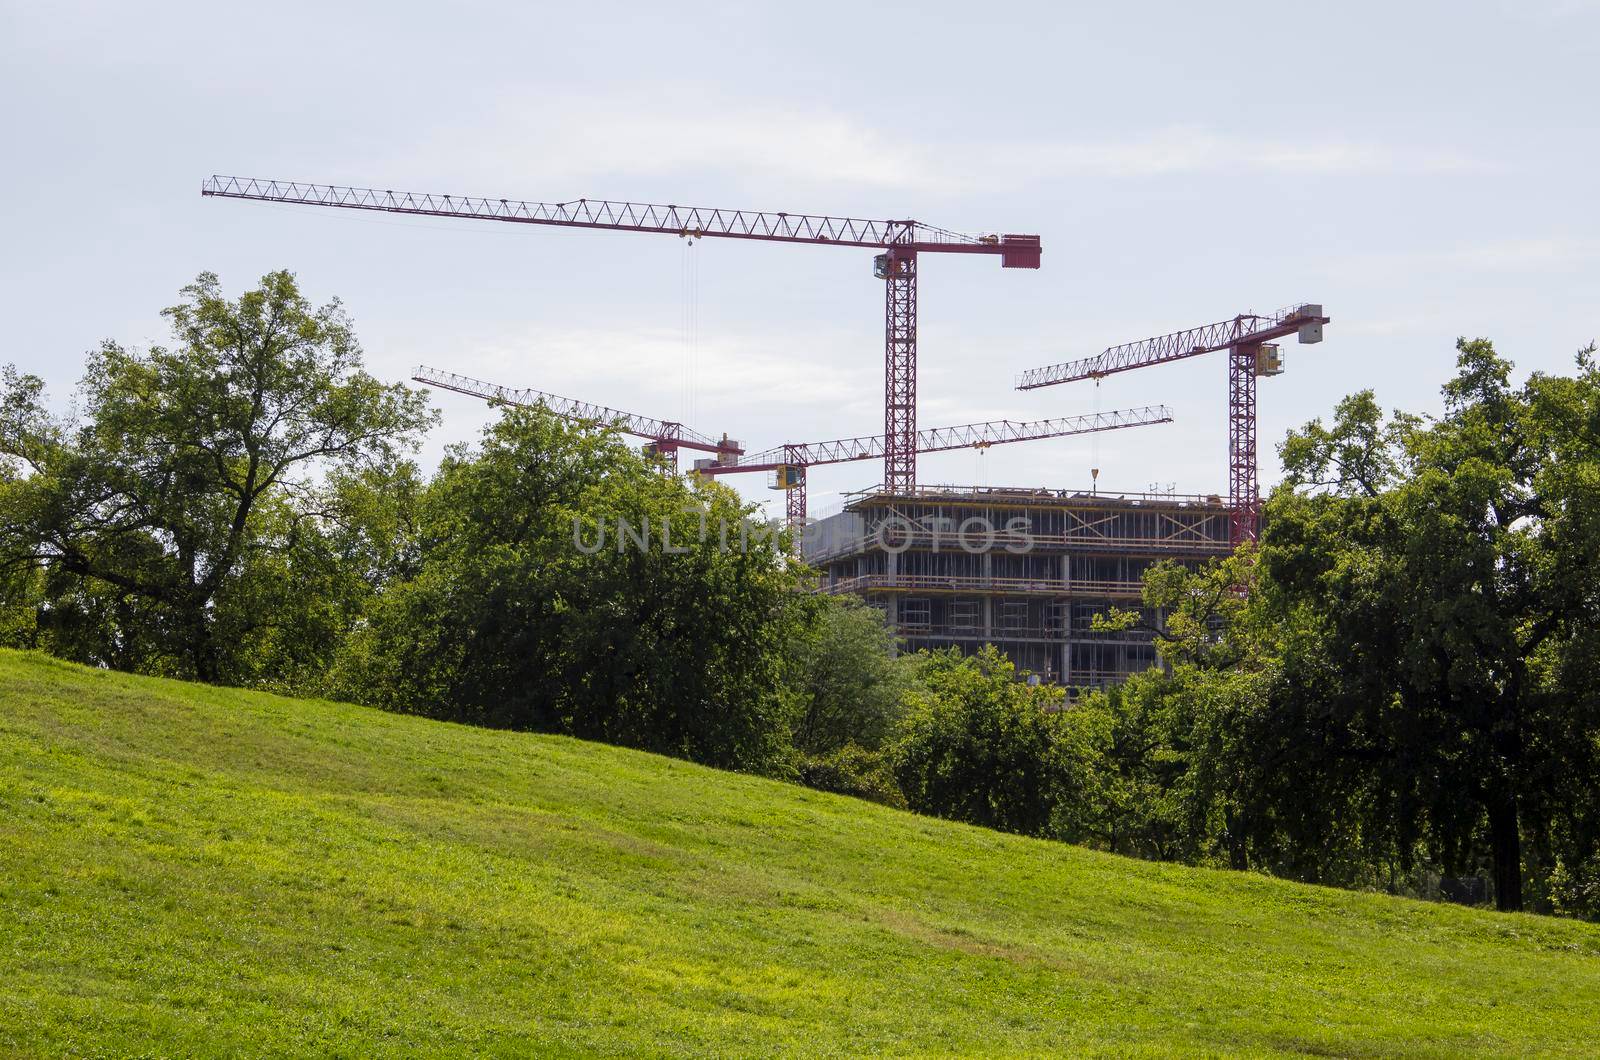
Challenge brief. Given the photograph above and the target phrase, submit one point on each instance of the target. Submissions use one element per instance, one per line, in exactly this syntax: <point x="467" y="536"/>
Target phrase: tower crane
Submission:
<point x="900" y="242"/>
<point x="788" y="463"/>
<point x="1252" y="352"/>
<point x="665" y="437"/>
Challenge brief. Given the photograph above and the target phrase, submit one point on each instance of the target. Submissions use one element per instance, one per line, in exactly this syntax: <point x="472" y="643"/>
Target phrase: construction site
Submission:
<point x="1027" y="570"/>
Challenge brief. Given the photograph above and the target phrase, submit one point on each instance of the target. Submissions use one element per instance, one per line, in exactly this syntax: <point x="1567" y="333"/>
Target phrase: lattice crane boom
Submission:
<point x="901" y="242"/>
<point x="1246" y="328"/>
<point x="615" y="215"/>
<point x="789" y="462"/>
<point x="666" y="436"/>
<point x="938" y="439"/>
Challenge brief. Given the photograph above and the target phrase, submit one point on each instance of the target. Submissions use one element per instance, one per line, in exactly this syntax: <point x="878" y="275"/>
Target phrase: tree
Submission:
<point x="559" y="581"/>
<point x="21" y="598"/>
<point x="848" y="686"/>
<point x="168" y="519"/>
<point x="1183" y="761"/>
<point x="1404" y="675"/>
<point x="1454" y="566"/>
<point x="1116" y="767"/>
<point x="850" y="679"/>
<point x="976" y="745"/>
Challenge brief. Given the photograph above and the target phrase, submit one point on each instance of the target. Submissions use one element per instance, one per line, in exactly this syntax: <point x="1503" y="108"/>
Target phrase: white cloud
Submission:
<point x="741" y="384"/>
<point x="1538" y="254"/>
<point x="594" y="141"/>
<point x="600" y="138"/>
<point x="1525" y="254"/>
<point x="1191" y="149"/>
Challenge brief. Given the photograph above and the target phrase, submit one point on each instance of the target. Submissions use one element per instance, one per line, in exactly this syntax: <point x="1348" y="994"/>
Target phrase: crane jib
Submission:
<point x="940" y="439"/>
<point x="1014" y="250"/>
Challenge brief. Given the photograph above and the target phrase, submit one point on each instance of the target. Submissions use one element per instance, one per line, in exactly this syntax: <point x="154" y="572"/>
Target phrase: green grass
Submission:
<point x="187" y="870"/>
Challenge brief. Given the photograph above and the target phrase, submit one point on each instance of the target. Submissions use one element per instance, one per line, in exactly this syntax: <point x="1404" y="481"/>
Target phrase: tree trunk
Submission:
<point x="203" y="648"/>
<point x="1238" y="853"/>
<point x="1505" y="839"/>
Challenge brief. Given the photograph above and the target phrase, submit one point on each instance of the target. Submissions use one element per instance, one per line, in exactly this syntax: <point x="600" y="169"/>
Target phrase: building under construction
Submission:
<point x="1025" y="570"/>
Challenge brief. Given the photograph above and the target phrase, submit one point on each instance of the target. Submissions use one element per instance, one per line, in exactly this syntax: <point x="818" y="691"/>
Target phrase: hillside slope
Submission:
<point x="188" y="870"/>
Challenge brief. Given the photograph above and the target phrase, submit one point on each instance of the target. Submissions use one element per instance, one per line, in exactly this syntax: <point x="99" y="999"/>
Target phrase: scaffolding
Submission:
<point x="1026" y="570"/>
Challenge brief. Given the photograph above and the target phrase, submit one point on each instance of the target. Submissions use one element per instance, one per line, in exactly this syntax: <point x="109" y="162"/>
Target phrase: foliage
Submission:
<point x="1575" y="892"/>
<point x="1167" y="764"/>
<point x="21" y="600"/>
<point x="558" y="581"/>
<point x="1403" y="677"/>
<point x="1121" y="769"/>
<point x="171" y="522"/>
<point x="976" y="744"/>
<point x="852" y="770"/>
<point x="849" y="678"/>
<point x="1452" y="588"/>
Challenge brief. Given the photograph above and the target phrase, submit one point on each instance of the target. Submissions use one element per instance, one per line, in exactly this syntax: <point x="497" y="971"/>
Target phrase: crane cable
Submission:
<point x="689" y="375"/>
<point x="684" y="344"/>
<point x="1094" y="443"/>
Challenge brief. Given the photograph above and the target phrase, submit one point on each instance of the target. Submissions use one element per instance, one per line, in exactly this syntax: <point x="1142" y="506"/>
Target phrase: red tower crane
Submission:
<point x="666" y="437"/>
<point x="788" y="463"/>
<point x="1252" y="352"/>
<point x="901" y="242"/>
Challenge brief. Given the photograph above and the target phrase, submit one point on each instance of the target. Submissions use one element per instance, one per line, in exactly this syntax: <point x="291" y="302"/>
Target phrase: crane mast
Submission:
<point x="901" y="241"/>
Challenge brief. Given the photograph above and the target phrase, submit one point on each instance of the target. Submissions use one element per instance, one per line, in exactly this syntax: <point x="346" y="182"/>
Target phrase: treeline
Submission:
<point x="1400" y="684"/>
<point x="1405" y="676"/>
<point x="240" y="507"/>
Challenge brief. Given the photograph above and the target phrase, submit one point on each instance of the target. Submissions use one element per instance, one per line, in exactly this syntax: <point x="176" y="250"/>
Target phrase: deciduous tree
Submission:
<point x="167" y="514"/>
<point x="1454" y="566"/>
<point x="561" y="582"/>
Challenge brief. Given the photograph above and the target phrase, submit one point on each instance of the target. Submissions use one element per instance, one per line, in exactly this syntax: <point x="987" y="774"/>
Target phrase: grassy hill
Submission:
<point x="187" y="870"/>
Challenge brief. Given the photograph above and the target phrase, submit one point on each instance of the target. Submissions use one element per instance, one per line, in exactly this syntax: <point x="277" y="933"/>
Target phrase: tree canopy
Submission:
<point x="1450" y="571"/>
<point x="559" y="581"/>
<point x="168" y="517"/>
<point x="1404" y="674"/>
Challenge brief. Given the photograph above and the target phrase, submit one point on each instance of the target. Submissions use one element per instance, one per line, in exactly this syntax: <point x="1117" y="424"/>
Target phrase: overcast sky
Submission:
<point x="1424" y="170"/>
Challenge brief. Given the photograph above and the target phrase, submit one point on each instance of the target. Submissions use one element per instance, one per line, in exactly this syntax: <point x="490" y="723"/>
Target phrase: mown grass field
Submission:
<point x="193" y="871"/>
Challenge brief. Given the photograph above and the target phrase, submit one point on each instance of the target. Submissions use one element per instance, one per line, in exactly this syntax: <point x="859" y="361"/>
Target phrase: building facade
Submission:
<point x="1025" y="570"/>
